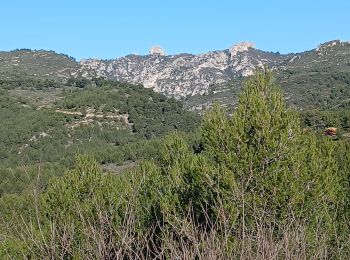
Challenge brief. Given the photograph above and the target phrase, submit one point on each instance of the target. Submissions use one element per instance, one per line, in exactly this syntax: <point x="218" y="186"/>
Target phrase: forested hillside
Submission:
<point x="46" y="123"/>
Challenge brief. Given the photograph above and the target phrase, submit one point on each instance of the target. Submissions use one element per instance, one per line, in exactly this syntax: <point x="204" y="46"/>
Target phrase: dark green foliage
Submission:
<point x="78" y="83"/>
<point x="36" y="64"/>
<point x="304" y="89"/>
<point x="20" y="124"/>
<point x="124" y="114"/>
<point x="258" y="166"/>
<point x="322" y="118"/>
<point x="28" y="83"/>
<point x="149" y="113"/>
<point x="256" y="162"/>
<point x="80" y="192"/>
<point x="74" y="205"/>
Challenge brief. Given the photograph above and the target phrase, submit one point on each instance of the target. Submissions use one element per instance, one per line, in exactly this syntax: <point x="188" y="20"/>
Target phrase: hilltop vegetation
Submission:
<point x="249" y="185"/>
<point x="37" y="64"/>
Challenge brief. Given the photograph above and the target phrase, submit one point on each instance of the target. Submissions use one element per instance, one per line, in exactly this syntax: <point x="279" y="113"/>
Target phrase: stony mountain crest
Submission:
<point x="184" y="74"/>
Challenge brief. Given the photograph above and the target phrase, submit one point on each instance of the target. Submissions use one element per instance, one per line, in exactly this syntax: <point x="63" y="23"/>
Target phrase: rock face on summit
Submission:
<point x="184" y="74"/>
<point x="156" y="50"/>
<point x="241" y="47"/>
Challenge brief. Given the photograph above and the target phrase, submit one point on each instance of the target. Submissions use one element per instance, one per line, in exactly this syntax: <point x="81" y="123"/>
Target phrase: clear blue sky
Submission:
<point x="110" y="29"/>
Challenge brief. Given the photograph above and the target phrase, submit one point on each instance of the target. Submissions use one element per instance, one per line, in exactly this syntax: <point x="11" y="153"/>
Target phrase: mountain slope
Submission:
<point x="307" y="78"/>
<point x="38" y="64"/>
<point x="320" y="77"/>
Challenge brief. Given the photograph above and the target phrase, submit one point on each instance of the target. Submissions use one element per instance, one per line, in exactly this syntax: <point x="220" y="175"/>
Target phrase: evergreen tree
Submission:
<point x="273" y="170"/>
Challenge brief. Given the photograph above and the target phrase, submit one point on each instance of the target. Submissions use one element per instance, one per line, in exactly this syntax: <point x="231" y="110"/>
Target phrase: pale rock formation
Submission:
<point x="241" y="47"/>
<point x="184" y="74"/>
<point x="156" y="50"/>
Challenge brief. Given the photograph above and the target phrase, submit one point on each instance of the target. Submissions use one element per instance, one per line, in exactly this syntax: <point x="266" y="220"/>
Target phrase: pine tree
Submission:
<point x="275" y="173"/>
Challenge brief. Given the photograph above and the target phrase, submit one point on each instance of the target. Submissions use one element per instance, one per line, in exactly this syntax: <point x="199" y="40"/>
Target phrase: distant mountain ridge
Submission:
<point x="183" y="76"/>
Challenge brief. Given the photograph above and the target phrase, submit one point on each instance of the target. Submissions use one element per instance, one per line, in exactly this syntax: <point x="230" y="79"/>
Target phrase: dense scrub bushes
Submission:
<point x="30" y="134"/>
<point x="253" y="186"/>
<point x="150" y="114"/>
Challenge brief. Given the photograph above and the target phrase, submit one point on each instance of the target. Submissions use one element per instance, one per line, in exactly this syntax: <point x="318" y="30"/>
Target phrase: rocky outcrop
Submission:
<point x="241" y="47"/>
<point x="156" y="50"/>
<point x="324" y="48"/>
<point x="184" y="74"/>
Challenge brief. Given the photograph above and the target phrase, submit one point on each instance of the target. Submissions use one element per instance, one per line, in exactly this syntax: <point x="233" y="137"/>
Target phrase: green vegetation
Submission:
<point x="36" y="64"/>
<point x="150" y="114"/>
<point x="303" y="90"/>
<point x="250" y="185"/>
<point x="314" y="89"/>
